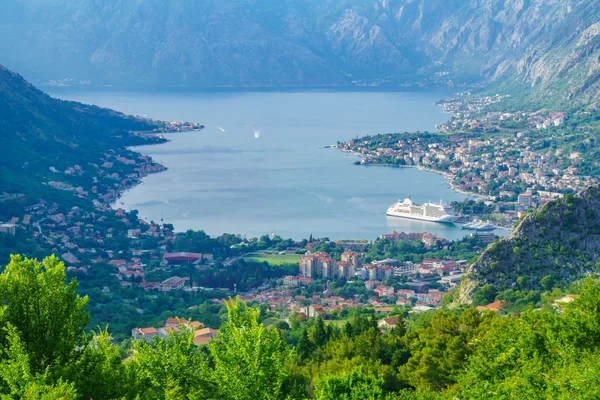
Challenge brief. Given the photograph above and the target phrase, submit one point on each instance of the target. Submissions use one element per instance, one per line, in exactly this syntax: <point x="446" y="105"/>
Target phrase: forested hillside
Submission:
<point x="39" y="132"/>
<point x="554" y="246"/>
<point x="468" y="354"/>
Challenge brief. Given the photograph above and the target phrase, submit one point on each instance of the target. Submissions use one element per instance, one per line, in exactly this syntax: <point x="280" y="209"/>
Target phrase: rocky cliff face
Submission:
<point x="552" y="45"/>
<point x="561" y="241"/>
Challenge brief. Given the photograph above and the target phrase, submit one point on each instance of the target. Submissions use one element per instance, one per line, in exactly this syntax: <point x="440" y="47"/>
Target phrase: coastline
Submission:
<point x="449" y="177"/>
<point x="146" y="164"/>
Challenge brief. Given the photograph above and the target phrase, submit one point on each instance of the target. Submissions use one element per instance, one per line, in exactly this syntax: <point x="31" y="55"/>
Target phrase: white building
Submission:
<point x="525" y="199"/>
<point x="173" y="283"/>
<point x="8" y="228"/>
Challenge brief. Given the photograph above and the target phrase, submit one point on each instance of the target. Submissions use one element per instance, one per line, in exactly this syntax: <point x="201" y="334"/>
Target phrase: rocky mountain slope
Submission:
<point x="552" y="45"/>
<point x="559" y="243"/>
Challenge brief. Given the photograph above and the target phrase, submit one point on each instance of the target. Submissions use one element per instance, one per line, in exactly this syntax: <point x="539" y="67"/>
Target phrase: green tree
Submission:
<point x="45" y="311"/>
<point x="440" y="349"/>
<point x="250" y="361"/>
<point x="355" y="385"/>
<point x="100" y="372"/>
<point x="522" y="281"/>
<point x="547" y="282"/>
<point x="305" y="347"/>
<point x="18" y="381"/>
<point x="170" y="368"/>
<point x="348" y="329"/>
<point x="319" y="332"/>
<point x="368" y="343"/>
<point x="485" y="295"/>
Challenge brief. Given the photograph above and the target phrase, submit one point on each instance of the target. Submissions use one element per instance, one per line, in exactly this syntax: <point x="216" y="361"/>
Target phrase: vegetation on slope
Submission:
<point x="45" y="353"/>
<point x="39" y="132"/>
<point x="554" y="246"/>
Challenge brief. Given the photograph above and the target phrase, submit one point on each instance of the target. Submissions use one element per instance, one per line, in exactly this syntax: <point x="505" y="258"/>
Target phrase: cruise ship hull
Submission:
<point x="444" y="220"/>
<point x="430" y="212"/>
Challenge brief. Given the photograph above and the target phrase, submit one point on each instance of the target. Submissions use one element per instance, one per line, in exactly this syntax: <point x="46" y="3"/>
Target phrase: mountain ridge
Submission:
<point x="547" y="45"/>
<point x="558" y="243"/>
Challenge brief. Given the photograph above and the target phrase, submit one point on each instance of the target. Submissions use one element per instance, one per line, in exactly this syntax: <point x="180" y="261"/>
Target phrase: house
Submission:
<point x="290" y="281"/>
<point x="494" y="307"/>
<point x="433" y="263"/>
<point x="435" y="296"/>
<point x="425" y="270"/>
<point x="304" y="281"/>
<point x="384" y="291"/>
<point x="168" y="330"/>
<point x="134" y="233"/>
<point x="176" y="326"/>
<point x="146" y="334"/>
<point x="345" y="269"/>
<point x="314" y="310"/>
<point x="370" y="285"/>
<point x="174" y="322"/>
<point x="202" y="340"/>
<point x="11" y="229"/>
<point x="419" y="287"/>
<point x="405" y="293"/>
<point x="117" y="263"/>
<point x="206" y="332"/>
<point x="525" y="199"/>
<point x="195" y="325"/>
<point x="402" y="302"/>
<point x="300" y="316"/>
<point x="149" y="285"/>
<point x="451" y="280"/>
<point x="388" y="323"/>
<point x="173" y="283"/>
<point x="378" y="272"/>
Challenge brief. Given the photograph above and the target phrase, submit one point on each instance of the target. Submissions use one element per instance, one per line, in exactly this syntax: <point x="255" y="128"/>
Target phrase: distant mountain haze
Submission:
<point x="550" y="44"/>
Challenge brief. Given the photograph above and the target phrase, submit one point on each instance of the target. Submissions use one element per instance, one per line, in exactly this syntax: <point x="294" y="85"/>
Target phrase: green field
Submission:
<point x="275" y="259"/>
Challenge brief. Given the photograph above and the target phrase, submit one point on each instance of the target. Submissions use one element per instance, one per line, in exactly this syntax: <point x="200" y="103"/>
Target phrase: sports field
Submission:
<point x="275" y="259"/>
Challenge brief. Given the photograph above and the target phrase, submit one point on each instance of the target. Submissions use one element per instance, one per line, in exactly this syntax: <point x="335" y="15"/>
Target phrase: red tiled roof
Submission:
<point x="391" y="320"/>
<point x="206" y="332"/>
<point x="195" y="324"/>
<point x="497" y="305"/>
<point x="202" y="339"/>
<point x="175" y="320"/>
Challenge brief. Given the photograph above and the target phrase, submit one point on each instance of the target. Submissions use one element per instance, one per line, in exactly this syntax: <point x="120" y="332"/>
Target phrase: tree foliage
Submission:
<point x="438" y="355"/>
<point x="44" y="311"/>
<point x="250" y="359"/>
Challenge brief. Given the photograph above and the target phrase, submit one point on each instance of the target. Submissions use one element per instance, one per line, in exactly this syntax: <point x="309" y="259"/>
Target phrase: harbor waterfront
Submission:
<point x="260" y="166"/>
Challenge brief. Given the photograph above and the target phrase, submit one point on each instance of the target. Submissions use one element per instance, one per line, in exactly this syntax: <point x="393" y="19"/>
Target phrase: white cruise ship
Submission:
<point x="427" y="212"/>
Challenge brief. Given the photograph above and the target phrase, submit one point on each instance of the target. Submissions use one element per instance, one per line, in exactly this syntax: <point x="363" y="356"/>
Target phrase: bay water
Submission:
<point x="261" y="164"/>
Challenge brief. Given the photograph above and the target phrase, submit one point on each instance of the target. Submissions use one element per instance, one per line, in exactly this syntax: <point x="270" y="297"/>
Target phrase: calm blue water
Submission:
<point x="226" y="179"/>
